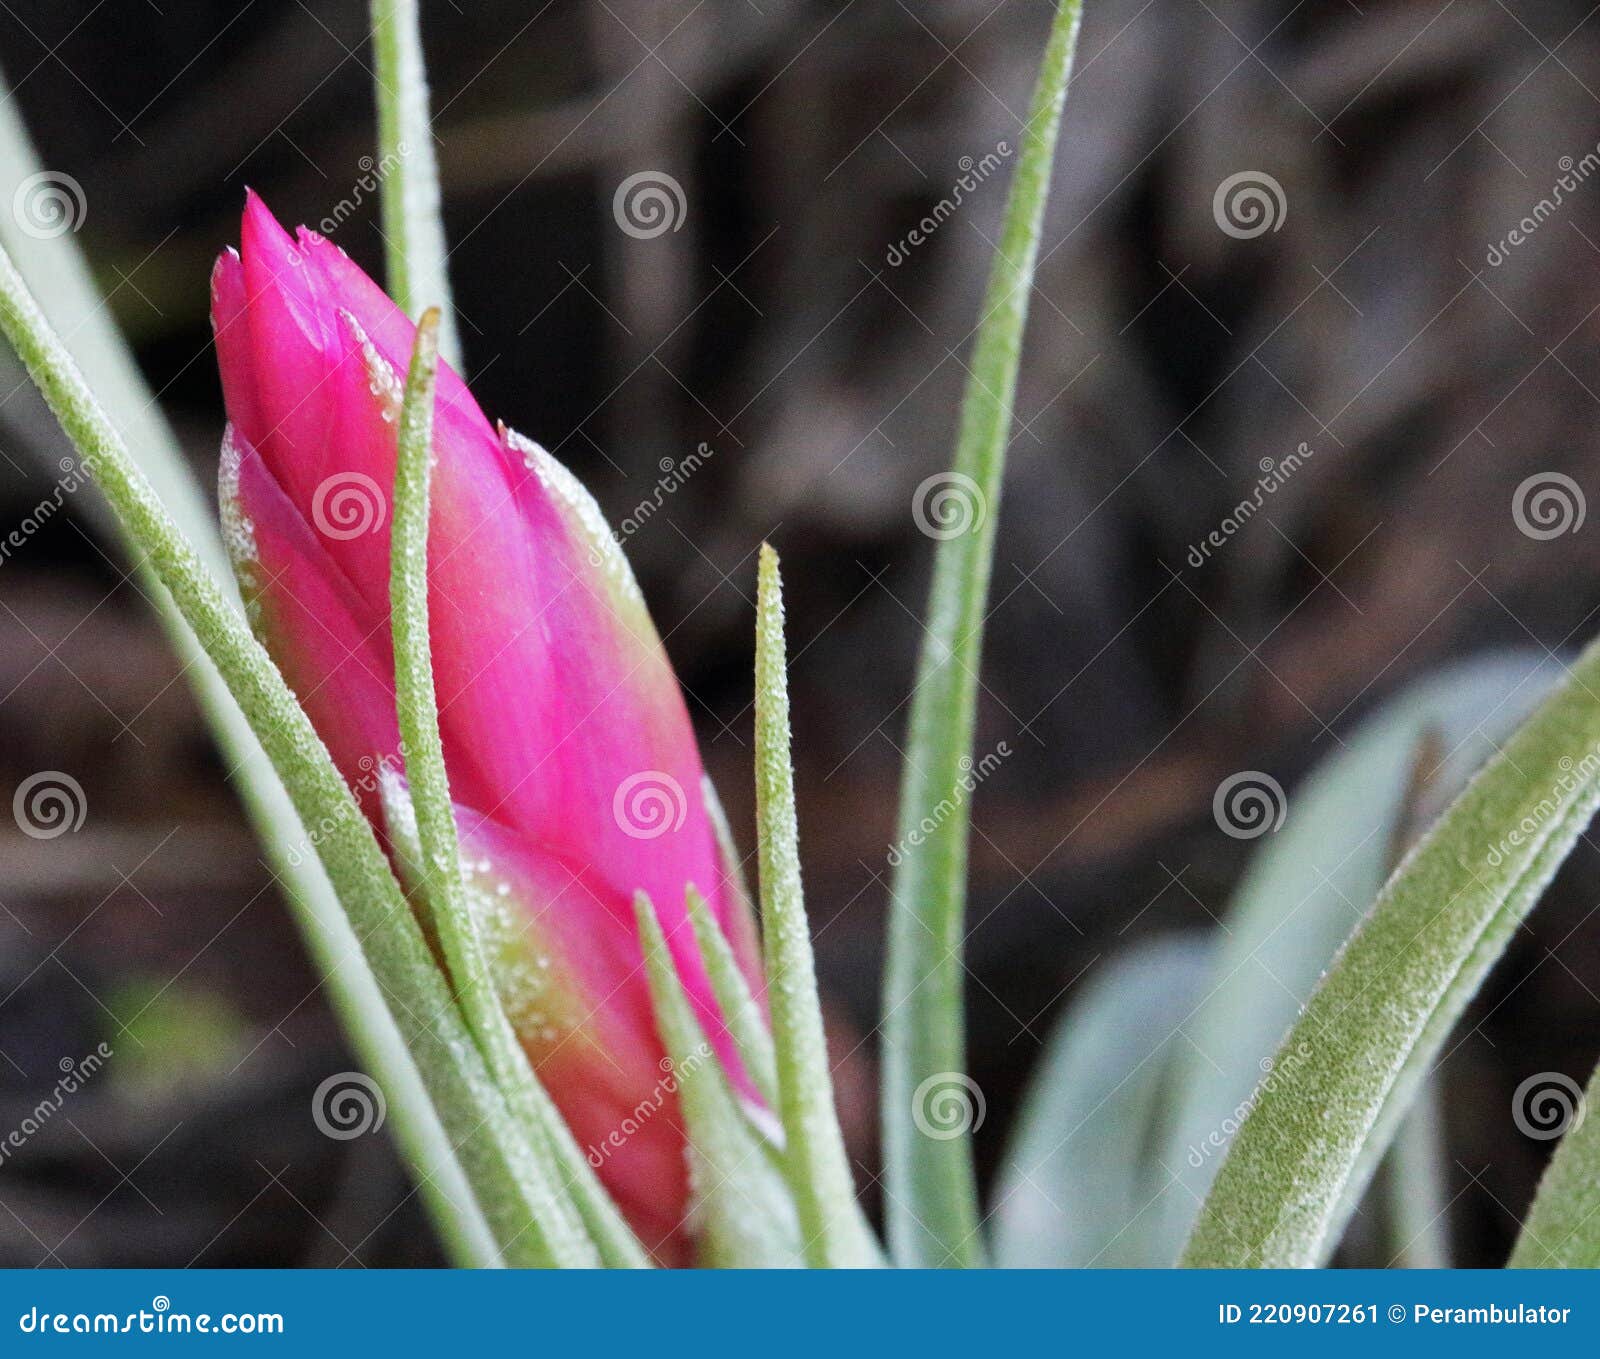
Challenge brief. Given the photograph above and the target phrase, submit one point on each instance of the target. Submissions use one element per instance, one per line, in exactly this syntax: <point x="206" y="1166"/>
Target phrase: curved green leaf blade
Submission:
<point x="932" y="1193"/>
<point x="741" y="1014"/>
<point x="1387" y="1004"/>
<point x="1413" y="1177"/>
<point x="1308" y="886"/>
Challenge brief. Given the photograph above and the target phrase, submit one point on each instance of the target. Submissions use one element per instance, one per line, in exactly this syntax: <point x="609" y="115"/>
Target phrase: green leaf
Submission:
<point x="932" y="1193"/>
<point x="1562" y="1229"/>
<point x="511" y="1185"/>
<point x="436" y="862"/>
<point x="67" y="297"/>
<point x="814" y="1154"/>
<point x="1079" y="1180"/>
<point x="741" y="1014"/>
<point x="746" y="1214"/>
<point x="413" y="231"/>
<point x="1306" y="889"/>
<point x="1166" y="1123"/>
<point x="1379" y="1018"/>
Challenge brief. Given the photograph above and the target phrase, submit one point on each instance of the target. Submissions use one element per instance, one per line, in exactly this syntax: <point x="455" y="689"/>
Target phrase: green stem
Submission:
<point x="932" y="1190"/>
<point x="412" y="227"/>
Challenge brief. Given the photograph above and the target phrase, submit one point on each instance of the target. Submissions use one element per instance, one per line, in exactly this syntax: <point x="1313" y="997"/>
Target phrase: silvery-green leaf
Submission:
<point x="1308" y="886"/>
<point x="1080" y="1178"/>
<point x="408" y="173"/>
<point x="1372" y="1028"/>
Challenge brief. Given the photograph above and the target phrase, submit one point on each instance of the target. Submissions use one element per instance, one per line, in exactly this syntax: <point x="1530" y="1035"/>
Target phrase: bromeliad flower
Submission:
<point x="544" y="734"/>
<point x="570" y="754"/>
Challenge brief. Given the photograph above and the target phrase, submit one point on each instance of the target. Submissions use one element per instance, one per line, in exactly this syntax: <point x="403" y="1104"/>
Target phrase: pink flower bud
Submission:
<point x="569" y="750"/>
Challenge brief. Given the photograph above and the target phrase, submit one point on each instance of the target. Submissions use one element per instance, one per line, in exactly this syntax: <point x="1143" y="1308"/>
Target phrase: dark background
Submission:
<point x="1165" y="360"/>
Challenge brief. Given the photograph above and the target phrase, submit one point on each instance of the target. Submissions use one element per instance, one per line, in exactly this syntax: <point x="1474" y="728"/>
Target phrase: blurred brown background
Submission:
<point x="1166" y="359"/>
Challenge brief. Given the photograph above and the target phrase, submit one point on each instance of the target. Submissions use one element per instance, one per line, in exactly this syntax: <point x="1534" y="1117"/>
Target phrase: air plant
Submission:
<point x="459" y="735"/>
